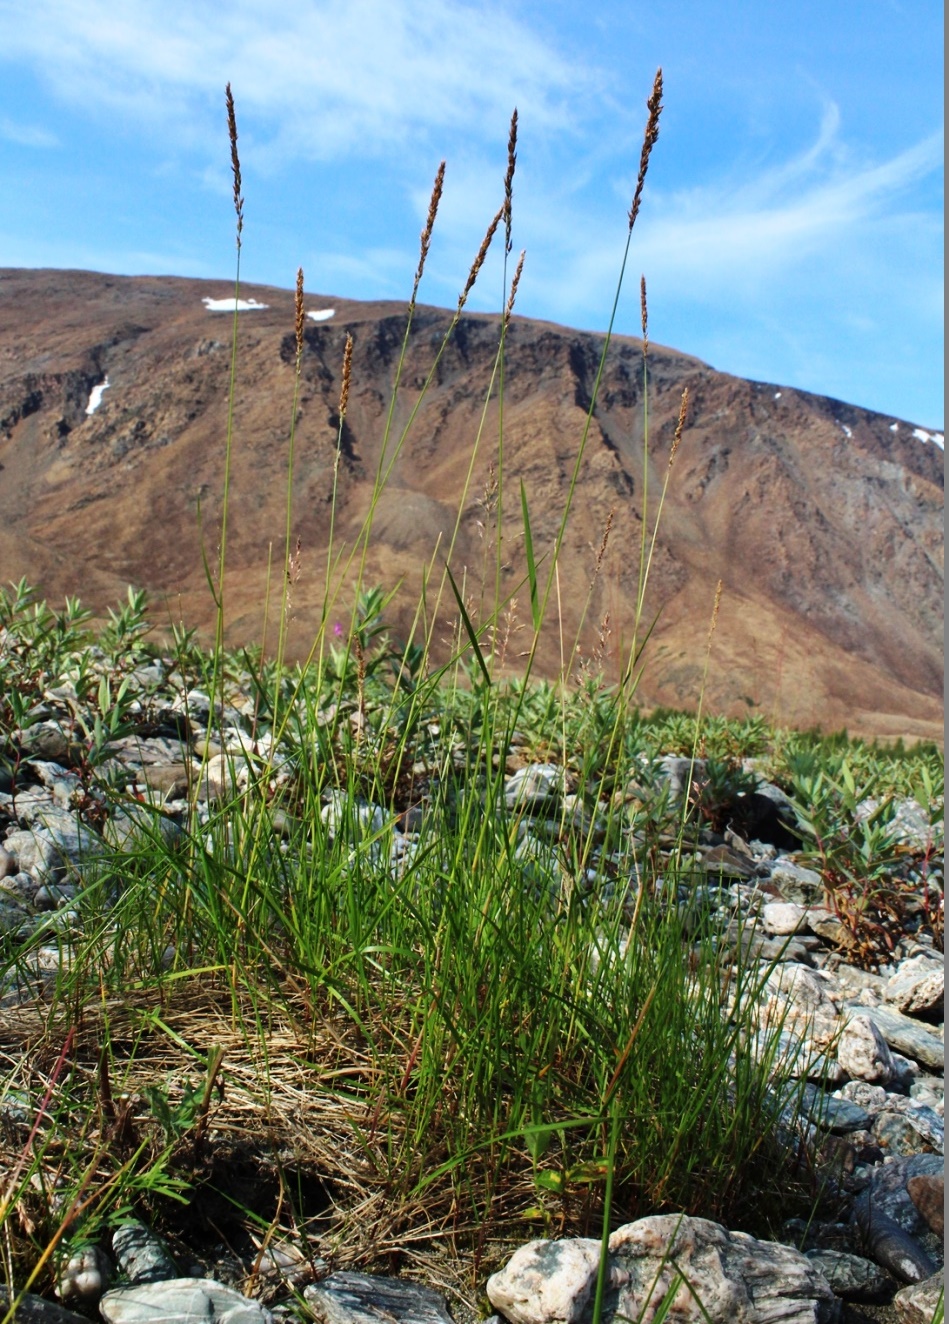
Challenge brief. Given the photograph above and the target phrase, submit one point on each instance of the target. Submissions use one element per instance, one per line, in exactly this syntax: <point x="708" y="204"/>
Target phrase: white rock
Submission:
<point x="917" y="986"/>
<point x="863" y="1053"/>
<point x="782" y="917"/>
<point x="546" y="1281"/>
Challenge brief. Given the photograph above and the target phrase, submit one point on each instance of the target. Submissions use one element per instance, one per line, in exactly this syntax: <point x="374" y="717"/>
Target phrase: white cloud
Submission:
<point x="26" y="135"/>
<point x="321" y="78"/>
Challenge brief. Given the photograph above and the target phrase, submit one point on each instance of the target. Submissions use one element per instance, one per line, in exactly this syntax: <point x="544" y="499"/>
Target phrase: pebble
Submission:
<point x="181" y="1301"/>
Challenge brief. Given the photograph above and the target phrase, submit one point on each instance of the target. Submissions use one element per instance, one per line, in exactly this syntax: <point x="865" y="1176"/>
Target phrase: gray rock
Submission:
<point x="44" y="740"/>
<point x="796" y="883"/>
<point x="834" y="1114"/>
<point x="141" y="1255"/>
<point x="918" y="986"/>
<point x="920" y="1302"/>
<point x="737" y="1279"/>
<point x="851" y="1276"/>
<point x="181" y="1301"/>
<point x="35" y="1310"/>
<point x="889" y="1193"/>
<point x="536" y="785"/>
<point x="895" y="1134"/>
<point x="862" y="1051"/>
<point x="916" y="1040"/>
<point x="361" y="1298"/>
<point x="134" y="827"/>
<point x="56" y="845"/>
<point x="910" y="823"/>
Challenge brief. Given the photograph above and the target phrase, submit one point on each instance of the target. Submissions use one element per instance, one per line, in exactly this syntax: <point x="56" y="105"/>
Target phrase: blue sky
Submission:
<point x="791" y="229"/>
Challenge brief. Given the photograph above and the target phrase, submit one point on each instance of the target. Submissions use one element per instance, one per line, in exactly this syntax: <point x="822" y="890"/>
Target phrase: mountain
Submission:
<point x="823" y="520"/>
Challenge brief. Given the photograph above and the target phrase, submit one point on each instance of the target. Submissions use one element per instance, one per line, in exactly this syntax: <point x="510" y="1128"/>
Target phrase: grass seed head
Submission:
<point x="654" y="106"/>
<point x="514" y="284"/>
<point x="680" y="424"/>
<point x="235" y="162"/>
<point x="299" y="315"/>
<point x="644" y="314"/>
<point x="482" y="253"/>
<point x="426" y="236"/>
<point x="509" y="180"/>
<point x="347" y="377"/>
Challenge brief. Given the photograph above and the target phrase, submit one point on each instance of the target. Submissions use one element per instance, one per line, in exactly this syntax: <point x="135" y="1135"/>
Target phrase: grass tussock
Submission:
<point x="357" y="993"/>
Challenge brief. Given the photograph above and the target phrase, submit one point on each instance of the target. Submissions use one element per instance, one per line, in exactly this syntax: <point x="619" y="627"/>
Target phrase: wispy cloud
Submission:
<point x="328" y="78"/>
<point x="741" y="235"/>
<point x="26" y="135"/>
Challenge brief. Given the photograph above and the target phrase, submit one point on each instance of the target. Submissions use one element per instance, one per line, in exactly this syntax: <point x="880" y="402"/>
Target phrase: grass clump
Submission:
<point x="357" y="985"/>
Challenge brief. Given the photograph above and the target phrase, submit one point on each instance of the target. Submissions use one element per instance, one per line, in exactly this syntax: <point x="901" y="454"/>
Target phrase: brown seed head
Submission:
<point x="299" y="316"/>
<point x="347" y="375"/>
<point x="680" y="424"/>
<point x="235" y="162"/>
<point x="654" y="105"/>
<point x="482" y="253"/>
<point x="715" y="607"/>
<point x="514" y="284"/>
<point x="644" y="314"/>
<point x="509" y="180"/>
<point x="426" y="238"/>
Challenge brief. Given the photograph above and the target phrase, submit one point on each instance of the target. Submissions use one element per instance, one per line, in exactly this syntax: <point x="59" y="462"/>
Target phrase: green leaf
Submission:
<point x="469" y="628"/>
<point x="536" y="613"/>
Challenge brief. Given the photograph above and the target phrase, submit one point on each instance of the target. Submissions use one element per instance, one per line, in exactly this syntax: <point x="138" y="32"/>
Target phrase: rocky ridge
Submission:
<point x="823" y="520"/>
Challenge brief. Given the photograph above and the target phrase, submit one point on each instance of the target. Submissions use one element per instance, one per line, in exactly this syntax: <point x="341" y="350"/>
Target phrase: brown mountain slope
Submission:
<point x="823" y="520"/>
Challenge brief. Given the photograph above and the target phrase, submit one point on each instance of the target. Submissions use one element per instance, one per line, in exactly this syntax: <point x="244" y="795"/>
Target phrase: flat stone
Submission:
<point x="362" y="1298"/>
<point x="537" y="784"/>
<point x="851" y="1276"/>
<point x="907" y="1036"/>
<point x="36" y="1310"/>
<point x="895" y="1134"/>
<point x="181" y="1301"/>
<point x="889" y="1188"/>
<point x="919" y="1303"/>
<point x="173" y="780"/>
<point x="782" y="918"/>
<point x="831" y="1114"/>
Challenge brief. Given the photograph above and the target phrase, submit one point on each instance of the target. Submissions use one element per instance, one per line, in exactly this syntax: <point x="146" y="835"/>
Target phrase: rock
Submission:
<point x="782" y="917"/>
<point x="361" y="1298"/>
<point x="181" y="1301"/>
<point x="546" y="1282"/>
<point x="805" y="989"/>
<point x="723" y="862"/>
<point x="173" y="780"/>
<point x="134" y="826"/>
<point x="795" y="882"/>
<point x="737" y="1279"/>
<point x="920" y="1303"/>
<point x="888" y="1188"/>
<point x="828" y="926"/>
<point x="909" y="824"/>
<point x="862" y="1051"/>
<point x="851" y="1276"/>
<point x="907" y="1036"/>
<point x="45" y="740"/>
<point x="57" y="846"/>
<point x="86" y="1275"/>
<point x="918" y="987"/>
<point x="834" y="1114"/>
<point x="890" y="1245"/>
<point x="928" y="1194"/>
<point x="894" y="1132"/>
<point x="36" y="1310"/>
<point x="534" y="786"/>
<point x="141" y="1255"/>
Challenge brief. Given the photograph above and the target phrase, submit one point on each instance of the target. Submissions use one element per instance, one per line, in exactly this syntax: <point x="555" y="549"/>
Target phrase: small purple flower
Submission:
<point x="337" y="630"/>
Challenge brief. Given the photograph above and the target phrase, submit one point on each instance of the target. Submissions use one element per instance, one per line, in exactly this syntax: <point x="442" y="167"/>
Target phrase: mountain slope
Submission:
<point x="823" y="520"/>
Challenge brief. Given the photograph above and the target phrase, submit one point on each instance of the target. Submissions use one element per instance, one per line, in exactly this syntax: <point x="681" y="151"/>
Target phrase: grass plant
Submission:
<point x="506" y="1022"/>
